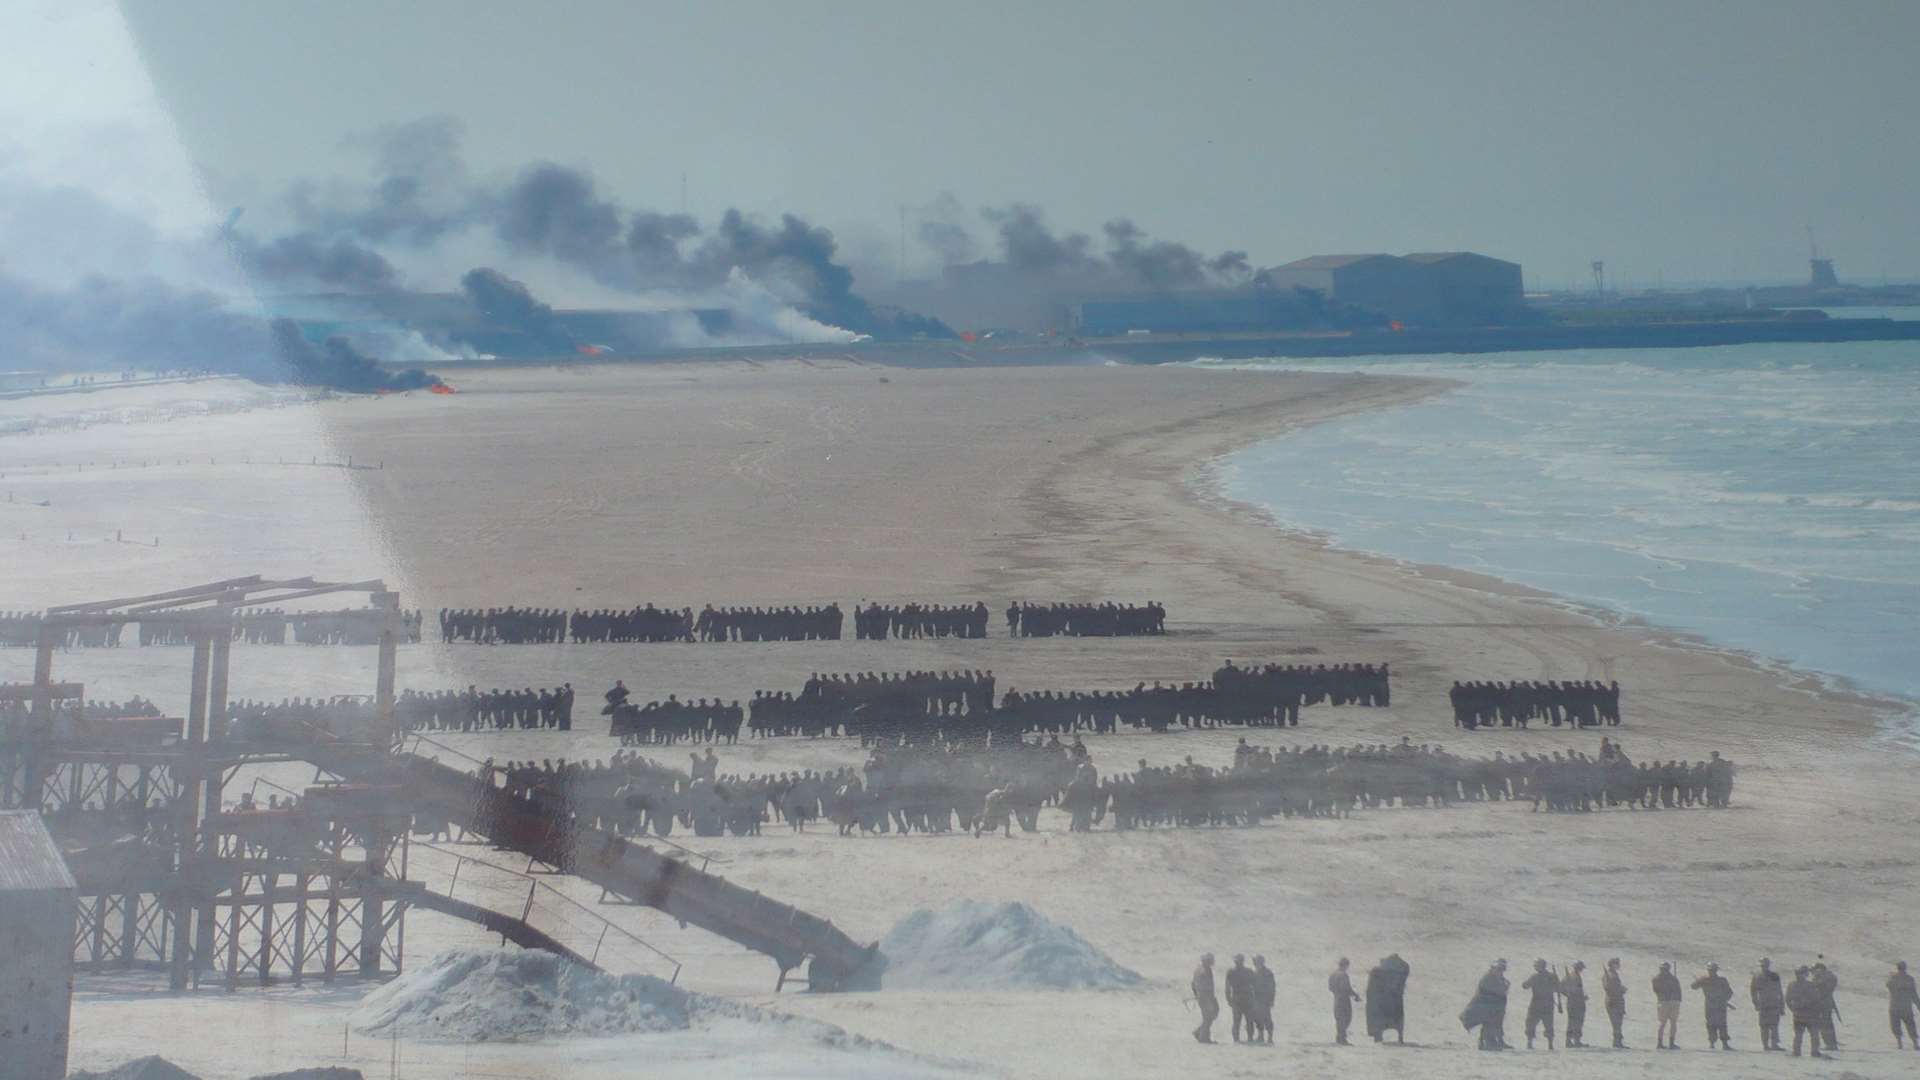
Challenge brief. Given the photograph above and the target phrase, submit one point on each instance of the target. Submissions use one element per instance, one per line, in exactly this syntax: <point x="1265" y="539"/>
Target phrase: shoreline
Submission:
<point x="1899" y="714"/>
<point x="1184" y="466"/>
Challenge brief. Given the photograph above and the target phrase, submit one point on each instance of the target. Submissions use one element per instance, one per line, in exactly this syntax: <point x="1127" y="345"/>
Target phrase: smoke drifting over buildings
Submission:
<point x="1030" y="273"/>
<point x="423" y="261"/>
<point x="419" y="197"/>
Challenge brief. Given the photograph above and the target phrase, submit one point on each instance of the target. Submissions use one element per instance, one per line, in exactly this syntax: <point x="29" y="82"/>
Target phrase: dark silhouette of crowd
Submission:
<point x="769" y="624"/>
<point x="1106" y="619"/>
<point x="474" y="709"/>
<point x="646" y="623"/>
<point x="944" y="787"/>
<point x="921" y="706"/>
<point x="503" y="626"/>
<point x="876" y="622"/>
<point x="1515" y="704"/>
<point x="667" y="722"/>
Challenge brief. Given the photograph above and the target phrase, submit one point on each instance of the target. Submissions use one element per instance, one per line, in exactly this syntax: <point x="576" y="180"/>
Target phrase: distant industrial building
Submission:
<point x="37" y="898"/>
<point x="1434" y="287"/>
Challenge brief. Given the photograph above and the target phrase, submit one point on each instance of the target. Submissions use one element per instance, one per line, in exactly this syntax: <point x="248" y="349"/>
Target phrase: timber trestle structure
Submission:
<point x="174" y="877"/>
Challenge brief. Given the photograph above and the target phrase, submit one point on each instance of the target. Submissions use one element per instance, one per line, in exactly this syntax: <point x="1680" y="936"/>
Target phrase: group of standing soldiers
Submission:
<point x="466" y="710"/>
<point x="1809" y="999"/>
<point x="769" y="624"/>
<point x="1514" y="704"/>
<point x="1085" y="620"/>
<point x="875" y="622"/>
<point x="504" y="626"/>
<point x="1250" y="997"/>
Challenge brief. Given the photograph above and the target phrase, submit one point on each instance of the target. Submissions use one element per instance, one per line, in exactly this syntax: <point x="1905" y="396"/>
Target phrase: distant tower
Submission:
<point x="1823" y="276"/>
<point x="1599" y="277"/>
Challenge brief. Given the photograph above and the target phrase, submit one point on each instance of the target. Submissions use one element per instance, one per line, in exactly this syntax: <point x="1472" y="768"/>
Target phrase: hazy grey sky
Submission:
<point x="1692" y="140"/>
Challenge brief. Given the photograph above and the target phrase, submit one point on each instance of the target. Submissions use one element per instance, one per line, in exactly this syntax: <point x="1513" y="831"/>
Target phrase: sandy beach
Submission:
<point x="809" y="482"/>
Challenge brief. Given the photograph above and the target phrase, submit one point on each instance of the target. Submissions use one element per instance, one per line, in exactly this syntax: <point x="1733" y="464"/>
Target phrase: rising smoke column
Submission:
<point x="335" y="363"/>
<point x="508" y="303"/>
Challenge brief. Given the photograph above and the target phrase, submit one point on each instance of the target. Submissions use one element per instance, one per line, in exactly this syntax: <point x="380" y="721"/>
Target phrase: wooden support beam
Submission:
<point x="212" y="587"/>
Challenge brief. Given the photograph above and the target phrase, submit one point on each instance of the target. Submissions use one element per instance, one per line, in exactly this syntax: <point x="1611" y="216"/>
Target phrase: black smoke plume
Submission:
<point x="507" y="303"/>
<point x="306" y="260"/>
<point x="336" y="364"/>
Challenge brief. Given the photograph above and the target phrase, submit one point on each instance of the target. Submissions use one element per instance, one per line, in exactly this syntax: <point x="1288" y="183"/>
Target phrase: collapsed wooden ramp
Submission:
<point x="515" y="930"/>
<point x="552" y="836"/>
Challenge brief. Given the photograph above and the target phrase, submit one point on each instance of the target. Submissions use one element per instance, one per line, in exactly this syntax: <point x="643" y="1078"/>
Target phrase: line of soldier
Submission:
<point x="348" y="718"/>
<point x="877" y="622"/>
<point x="1809" y="999"/>
<point x="1108" y="619"/>
<point x="503" y="626"/>
<point x="938" y="789"/>
<point x="259" y="627"/>
<point x="1514" y="704"/>
<point x="644" y="623"/>
<point x="667" y="722"/>
<point x="473" y="708"/>
<point x="928" y="706"/>
<point x="16" y="709"/>
<point x="769" y="624"/>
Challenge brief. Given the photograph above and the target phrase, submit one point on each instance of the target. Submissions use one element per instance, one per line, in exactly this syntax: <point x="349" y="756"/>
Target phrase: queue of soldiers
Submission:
<point x="1809" y="1000"/>
<point x="254" y="627"/>
<point x="875" y="622"/>
<point x="923" y="706"/>
<point x="1107" y="619"/>
<point x="871" y="705"/>
<point x="22" y="629"/>
<point x="645" y="623"/>
<point x="769" y="624"/>
<point x="475" y="709"/>
<point x="349" y="718"/>
<point x="503" y="626"/>
<point x="978" y="788"/>
<point x="667" y="722"/>
<point x="1514" y="704"/>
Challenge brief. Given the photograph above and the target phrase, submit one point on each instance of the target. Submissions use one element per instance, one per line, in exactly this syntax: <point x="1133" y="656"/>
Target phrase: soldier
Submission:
<point x="1666" y="999"/>
<point x="1902" y="1000"/>
<point x="1341" y="987"/>
<point x="1769" y="1001"/>
<point x="1239" y="986"/>
<point x="1203" y="997"/>
<point x="1615" y="990"/>
<point x="1546" y="998"/>
<point x="1803" y="1001"/>
<point x="995" y="815"/>
<point x="1717" y="993"/>
<point x="1387" y="999"/>
<point x="1574" y="990"/>
<point x="1263" y="994"/>
<point x="1488" y="1009"/>
<point x="1827" y="983"/>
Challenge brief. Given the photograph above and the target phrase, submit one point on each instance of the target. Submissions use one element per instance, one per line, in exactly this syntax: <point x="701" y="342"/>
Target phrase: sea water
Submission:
<point x="1763" y="497"/>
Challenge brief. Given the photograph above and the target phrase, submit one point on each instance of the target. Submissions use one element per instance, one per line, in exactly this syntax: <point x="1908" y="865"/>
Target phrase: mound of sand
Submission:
<point x="973" y="945"/>
<point x="146" y="1068"/>
<point x="477" y="995"/>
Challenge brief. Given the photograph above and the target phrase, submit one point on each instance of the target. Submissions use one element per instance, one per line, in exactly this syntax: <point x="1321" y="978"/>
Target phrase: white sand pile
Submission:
<point x="146" y="1068"/>
<point x="477" y="995"/>
<point x="973" y="945"/>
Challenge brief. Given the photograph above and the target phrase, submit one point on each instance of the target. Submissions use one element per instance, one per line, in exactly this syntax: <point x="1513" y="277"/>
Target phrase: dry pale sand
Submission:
<point x="797" y="482"/>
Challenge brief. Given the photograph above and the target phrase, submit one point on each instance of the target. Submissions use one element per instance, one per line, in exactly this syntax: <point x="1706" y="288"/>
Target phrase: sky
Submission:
<point x="1688" y="141"/>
